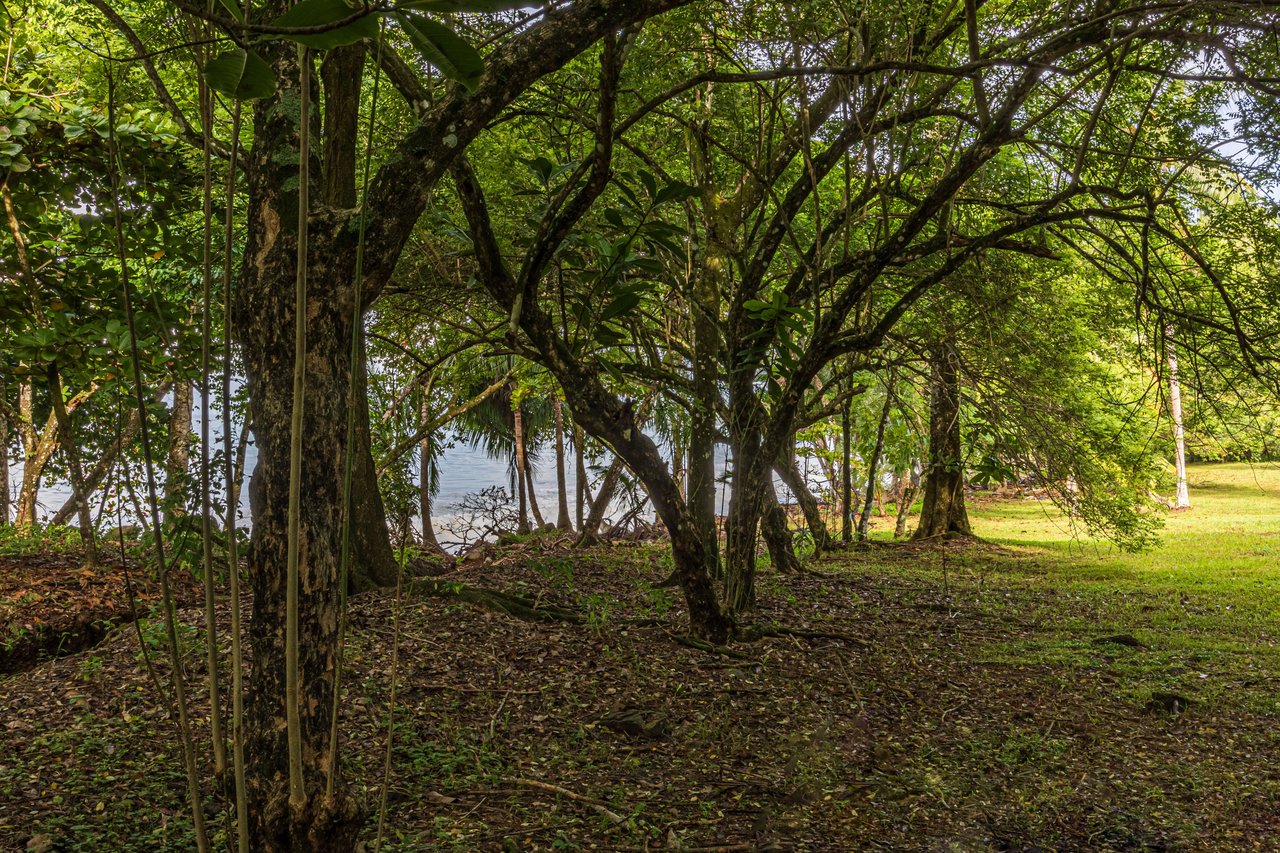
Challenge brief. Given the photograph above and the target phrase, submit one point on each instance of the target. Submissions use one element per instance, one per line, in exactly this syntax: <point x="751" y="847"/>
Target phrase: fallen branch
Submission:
<point x="598" y="805"/>
<point x="751" y="633"/>
<point x="495" y="601"/>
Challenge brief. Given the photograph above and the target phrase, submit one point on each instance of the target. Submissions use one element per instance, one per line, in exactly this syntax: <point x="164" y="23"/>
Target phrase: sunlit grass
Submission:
<point x="1228" y="542"/>
<point x="1205" y="601"/>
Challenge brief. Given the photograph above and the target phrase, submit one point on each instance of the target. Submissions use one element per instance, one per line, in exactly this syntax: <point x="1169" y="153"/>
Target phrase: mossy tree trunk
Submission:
<point x="562" y="493"/>
<point x="794" y="480"/>
<point x="943" y="512"/>
<point x="4" y="456"/>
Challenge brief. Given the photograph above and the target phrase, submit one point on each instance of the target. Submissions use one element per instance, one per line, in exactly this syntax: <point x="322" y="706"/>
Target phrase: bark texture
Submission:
<point x="264" y="319"/>
<point x="943" y="512"/>
<point x="777" y="533"/>
<point x="1183" y="498"/>
<point x="794" y="480"/>
<point x="562" y="492"/>
<point x="178" y="458"/>
<point x="4" y="456"/>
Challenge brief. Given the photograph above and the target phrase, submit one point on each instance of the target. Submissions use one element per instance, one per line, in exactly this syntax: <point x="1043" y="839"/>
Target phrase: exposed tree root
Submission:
<point x="751" y="633"/>
<point x="706" y="646"/>
<point x="493" y="600"/>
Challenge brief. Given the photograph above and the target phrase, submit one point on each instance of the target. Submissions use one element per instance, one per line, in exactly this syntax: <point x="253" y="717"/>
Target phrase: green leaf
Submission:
<point x="649" y="265"/>
<point x="442" y="47"/>
<point x="234" y="8"/>
<point x="621" y="304"/>
<point x="447" y="6"/>
<point x="676" y="191"/>
<point x="650" y="183"/>
<point x="541" y="167"/>
<point x="608" y="336"/>
<point x="241" y="75"/>
<point x="318" y="13"/>
<point x="614" y="218"/>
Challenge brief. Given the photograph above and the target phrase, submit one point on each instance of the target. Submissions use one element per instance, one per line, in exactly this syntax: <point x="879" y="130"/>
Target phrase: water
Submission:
<point x="464" y="470"/>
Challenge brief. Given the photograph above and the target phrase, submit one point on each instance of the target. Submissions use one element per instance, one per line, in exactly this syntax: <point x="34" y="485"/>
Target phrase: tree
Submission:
<point x="943" y="513"/>
<point x="289" y="812"/>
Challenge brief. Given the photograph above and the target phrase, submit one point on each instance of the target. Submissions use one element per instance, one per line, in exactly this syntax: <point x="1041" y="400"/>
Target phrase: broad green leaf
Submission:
<point x="241" y="75"/>
<point x="608" y="336"/>
<point x="316" y="13"/>
<point x="234" y="8"/>
<point x="442" y="47"/>
<point x="650" y="183"/>
<point x="675" y="191"/>
<point x="621" y="304"/>
<point x="649" y="265"/>
<point x="541" y="168"/>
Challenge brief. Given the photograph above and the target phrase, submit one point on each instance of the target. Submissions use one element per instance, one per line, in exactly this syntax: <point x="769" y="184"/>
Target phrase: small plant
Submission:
<point x="480" y="515"/>
<point x="154" y="638"/>
<point x="18" y="541"/>
<point x="557" y="570"/>
<point x="91" y="668"/>
<point x="659" y="599"/>
<point x="599" y="608"/>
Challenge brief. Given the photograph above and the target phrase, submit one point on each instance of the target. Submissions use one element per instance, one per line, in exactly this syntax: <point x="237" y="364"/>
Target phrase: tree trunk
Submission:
<point x="373" y="563"/>
<point x="36" y="450"/>
<point x="580" y="490"/>
<point x="590" y="529"/>
<point x="792" y="478"/>
<point x="943" y="513"/>
<point x="777" y="532"/>
<point x="533" y="497"/>
<point x="562" y="491"/>
<point x="178" y="458"/>
<point x="1183" y="499"/>
<point x="909" y="486"/>
<point x="705" y="304"/>
<point x="846" y="477"/>
<point x="424" y="485"/>
<point x="72" y="448"/>
<point x="4" y="456"/>
<point x="522" y="525"/>
<point x="874" y="464"/>
<point x="264" y="321"/>
<point x="742" y="535"/>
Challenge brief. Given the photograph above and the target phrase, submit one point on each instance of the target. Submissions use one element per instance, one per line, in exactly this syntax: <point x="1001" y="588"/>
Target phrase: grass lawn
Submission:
<point x="1208" y="594"/>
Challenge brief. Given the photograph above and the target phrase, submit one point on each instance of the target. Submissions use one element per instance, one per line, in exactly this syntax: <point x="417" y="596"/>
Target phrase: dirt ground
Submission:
<point x="891" y="717"/>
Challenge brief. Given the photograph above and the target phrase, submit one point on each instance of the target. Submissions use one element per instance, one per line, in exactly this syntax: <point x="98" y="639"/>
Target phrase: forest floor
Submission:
<point x="1027" y="692"/>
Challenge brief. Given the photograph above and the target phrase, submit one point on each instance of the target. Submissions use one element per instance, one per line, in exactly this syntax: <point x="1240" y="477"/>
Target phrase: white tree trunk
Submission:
<point x="1183" y="500"/>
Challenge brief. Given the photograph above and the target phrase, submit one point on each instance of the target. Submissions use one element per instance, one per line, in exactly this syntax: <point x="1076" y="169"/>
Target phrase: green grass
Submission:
<point x="1205" y="601"/>
<point x="1228" y="541"/>
<point x="1054" y="737"/>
